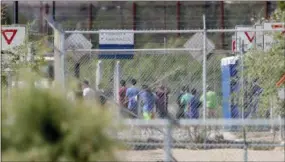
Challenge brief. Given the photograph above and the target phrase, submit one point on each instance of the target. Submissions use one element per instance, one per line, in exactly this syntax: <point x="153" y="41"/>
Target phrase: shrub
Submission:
<point x="41" y="124"/>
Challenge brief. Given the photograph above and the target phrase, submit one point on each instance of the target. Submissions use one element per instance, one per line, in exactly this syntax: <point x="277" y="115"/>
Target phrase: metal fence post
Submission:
<point x="282" y="128"/>
<point x="59" y="57"/>
<point x="168" y="141"/>
<point x="117" y="77"/>
<point x="204" y="75"/>
<point x="245" y="155"/>
<point x="98" y="74"/>
<point x="204" y="67"/>
<point x="62" y="57"/>
<point x="242" y="52"/>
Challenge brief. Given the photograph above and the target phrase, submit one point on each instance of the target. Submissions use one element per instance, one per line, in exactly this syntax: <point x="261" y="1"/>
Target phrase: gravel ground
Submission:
<point x="204" y="155"/>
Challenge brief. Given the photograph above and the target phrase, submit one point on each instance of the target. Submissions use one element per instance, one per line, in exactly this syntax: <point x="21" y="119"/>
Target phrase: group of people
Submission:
<point x="151" y="103"/>
<point x="189" y="103"/>
<point x="135" y="101"/>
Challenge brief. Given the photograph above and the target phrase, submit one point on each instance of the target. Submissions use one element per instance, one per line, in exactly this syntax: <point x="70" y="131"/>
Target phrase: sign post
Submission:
<point x="259" y="38"/>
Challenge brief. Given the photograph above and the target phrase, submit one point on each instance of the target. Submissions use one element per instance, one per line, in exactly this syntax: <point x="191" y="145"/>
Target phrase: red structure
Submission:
<point x="281" y="81"/>
<point x="267" y="9"/>
<point x="90" y="18"/>
<point x="134" y="15"/>
<point x="222" y="23"/>
<point x="178" y="14"/>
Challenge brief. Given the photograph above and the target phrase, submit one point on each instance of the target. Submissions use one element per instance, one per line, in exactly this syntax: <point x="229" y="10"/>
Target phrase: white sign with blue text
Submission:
<point x="116" y="40"/>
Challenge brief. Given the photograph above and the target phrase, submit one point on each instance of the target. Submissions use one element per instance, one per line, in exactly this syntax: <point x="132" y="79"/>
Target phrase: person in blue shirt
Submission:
<point x="132" y="97"/>
<point x="186" y="99"/>
<point x="193" y="112"/>
<point x="148" y="99"/>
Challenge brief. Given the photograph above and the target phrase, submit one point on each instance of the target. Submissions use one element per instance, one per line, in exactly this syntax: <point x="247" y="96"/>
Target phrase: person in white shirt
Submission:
<point x="88" y="93"/>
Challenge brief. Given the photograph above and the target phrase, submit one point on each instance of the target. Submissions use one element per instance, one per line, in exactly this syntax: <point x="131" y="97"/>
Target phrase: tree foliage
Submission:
<point x="269" y="66"/>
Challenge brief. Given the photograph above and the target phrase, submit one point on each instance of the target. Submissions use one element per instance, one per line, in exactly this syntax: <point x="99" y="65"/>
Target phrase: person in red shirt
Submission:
<point x="122" y="96"/>
<point x="162" y="101"/>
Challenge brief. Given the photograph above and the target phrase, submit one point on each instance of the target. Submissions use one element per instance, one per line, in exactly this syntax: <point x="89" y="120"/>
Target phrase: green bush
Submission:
<point x="41" y="124"/>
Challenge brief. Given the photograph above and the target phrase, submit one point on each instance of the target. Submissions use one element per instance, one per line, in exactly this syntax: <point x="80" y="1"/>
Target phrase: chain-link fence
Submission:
<point x="174" y="69"/>
<point x="198" y="82"/>
<point x="190" y="140"/>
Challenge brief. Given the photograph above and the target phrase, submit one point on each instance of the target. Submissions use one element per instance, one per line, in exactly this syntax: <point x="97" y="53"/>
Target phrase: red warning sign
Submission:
<point x="276" y="26"/>
<point x="9" y="35"/>
<point x="248" y="37"/>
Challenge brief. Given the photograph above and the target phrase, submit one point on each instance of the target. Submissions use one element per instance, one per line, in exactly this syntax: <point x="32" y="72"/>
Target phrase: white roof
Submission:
<point x="229" y="60"/>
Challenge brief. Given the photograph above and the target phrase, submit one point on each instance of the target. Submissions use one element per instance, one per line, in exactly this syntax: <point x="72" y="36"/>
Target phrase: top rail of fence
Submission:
<point x="171" y="31"/>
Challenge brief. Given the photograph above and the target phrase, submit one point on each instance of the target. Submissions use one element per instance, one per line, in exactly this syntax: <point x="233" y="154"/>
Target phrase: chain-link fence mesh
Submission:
<point x="201" y="143"/>
<point x="175" y="69"/>
<point x="236" y="94"/>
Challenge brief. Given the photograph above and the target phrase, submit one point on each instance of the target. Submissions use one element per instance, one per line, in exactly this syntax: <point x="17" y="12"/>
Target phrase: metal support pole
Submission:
<point x="204" y="67"/>
<point x="59" y="58"/>
<point x="16" y="12"/>
<point x="98" y="74"/>
<point x="41" y="17"/>
<point x="242" y="51"/>
<point x="117" y="77"/>
<point x="62" y="35"/>
<point x="281" y="128"/>
<point x="204" y="75"/>
<point x="245" y="155"/>
<point x="168" y="141"/>
<point x="53" y="10"/>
